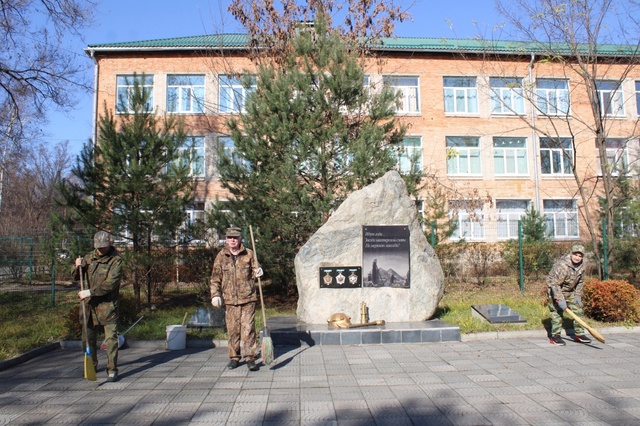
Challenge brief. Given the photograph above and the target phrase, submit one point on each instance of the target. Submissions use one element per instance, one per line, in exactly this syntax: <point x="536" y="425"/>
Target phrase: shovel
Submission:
<point x="121" y="339"/>
<point x="89" y="368"/>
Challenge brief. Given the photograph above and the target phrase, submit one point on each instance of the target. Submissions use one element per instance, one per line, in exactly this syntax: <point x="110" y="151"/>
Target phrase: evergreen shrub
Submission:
<point x="611" y="301"/>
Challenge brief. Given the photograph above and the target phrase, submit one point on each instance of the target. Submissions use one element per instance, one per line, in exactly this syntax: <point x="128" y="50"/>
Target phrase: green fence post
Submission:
<point x="520" y="257"/>
<point x="53" y="281"/>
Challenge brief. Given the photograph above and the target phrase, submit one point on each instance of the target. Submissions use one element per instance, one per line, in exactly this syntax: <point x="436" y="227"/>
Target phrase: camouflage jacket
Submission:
<point x="232" y="277"/>
<point x="565" y="278"/>
<point x="102" y="276"/>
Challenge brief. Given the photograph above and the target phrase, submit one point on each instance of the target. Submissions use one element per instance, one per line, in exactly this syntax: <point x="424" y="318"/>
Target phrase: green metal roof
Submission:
<point x="415" y="44"/>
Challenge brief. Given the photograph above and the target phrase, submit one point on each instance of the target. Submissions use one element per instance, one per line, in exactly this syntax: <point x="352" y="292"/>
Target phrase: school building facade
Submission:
<point x="496" y="119"/>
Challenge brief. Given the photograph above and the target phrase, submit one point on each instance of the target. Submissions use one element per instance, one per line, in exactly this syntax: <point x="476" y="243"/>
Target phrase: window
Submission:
<point x="124" y="90"/>
<point x="553" y="96"/>
<point x="610" y="97"/>
<point x="229" y="149"/>
<point x="556" y="156"/>
<point x="506" y="95"/>
<point x="617" y="155"/>
<point x="185" y="93"/>
<point x="638" y="97"/>
<point x="509" y="213"/>
<point x="409" y="92"/>
<point x="460" y="95"/>
<point x="410" y="155"/>
<point x="233" y="94"/>
<point x="469" y="221"/>
<point x="561" y="218"/>
<point x="510" y="156"/>
<point x="463" y="155"/>
<point x="194" y="218"/>
<point x="193" y="153"/>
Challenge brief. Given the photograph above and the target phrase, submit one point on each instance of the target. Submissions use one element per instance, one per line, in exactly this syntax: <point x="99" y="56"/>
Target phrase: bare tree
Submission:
<point x="594" y="45"/>
<point x="272" y="25"/>
<point x="31" y="189"/>
<point x="36" y="71"/>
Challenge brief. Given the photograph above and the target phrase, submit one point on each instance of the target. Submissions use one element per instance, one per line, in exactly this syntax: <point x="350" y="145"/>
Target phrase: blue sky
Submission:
<point x="130" y="20"/>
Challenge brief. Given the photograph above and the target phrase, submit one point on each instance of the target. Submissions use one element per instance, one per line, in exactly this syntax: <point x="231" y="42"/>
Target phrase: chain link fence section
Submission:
<point x="17" y="261"/>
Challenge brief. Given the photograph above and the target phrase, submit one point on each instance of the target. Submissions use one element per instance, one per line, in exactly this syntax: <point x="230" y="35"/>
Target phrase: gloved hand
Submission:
<point x="258" y="272"/>
<point x="216" y="302"/>
<point x="562" y="304"/>
<point x="84" y="294"/>
<point x="578" y="300"/>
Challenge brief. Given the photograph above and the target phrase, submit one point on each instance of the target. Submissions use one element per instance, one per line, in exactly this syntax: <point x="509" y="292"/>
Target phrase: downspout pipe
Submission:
<point x="94" y="124"/>
<point x="532" y="123"/>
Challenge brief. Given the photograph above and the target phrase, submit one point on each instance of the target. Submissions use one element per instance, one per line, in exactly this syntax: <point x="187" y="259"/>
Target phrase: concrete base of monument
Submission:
<point x="288" y="331"/>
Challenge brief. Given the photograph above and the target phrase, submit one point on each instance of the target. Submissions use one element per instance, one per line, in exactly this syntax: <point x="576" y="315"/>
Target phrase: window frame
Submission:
<point x="453" y="93"/>
<point x="409" y="101"/>
<point x="124" y="91"/>
<point x="470" y="223"/>
<point x="617" y="153"/>
<point x="198" y="159"/>
<point x="550" y="103"/>
<point x="473" y="154"/>
<point x="510" y="153"/>
<point x="411" y="149"/>
<point x="610" y="97"/>
<point x="230" y="150"/>
<point x="553" y="153"/>
<point x="186" y="92"/>
<point x="232" y="94"/>
<point x="561" y="216"/>
<point x="637" y="84"/>
<point x="507" y="95"/>
<point x="507" y="218"/>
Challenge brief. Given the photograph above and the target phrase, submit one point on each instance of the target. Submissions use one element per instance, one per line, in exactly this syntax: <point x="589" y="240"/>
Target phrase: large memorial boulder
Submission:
<point x="339" y="242"/>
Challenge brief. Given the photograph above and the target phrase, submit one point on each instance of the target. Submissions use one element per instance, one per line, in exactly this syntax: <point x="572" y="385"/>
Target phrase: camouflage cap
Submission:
<point x="102" y="239"/>
<point x="577" y="248"/>
<point x="233" y="232"/>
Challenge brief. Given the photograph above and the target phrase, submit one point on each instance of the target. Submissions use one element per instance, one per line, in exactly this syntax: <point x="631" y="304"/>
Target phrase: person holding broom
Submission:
<point x="102" y="270"/>
<point x="564" y="290"/>
<point x="235" y="270"/>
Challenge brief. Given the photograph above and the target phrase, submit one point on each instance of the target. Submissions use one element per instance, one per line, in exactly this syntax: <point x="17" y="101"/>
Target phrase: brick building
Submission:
<point x="470" y="107"/>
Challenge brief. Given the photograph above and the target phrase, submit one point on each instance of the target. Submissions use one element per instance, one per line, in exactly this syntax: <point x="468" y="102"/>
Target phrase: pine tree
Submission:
<point x="313" y="132"/>
<point x="135" y="181"/>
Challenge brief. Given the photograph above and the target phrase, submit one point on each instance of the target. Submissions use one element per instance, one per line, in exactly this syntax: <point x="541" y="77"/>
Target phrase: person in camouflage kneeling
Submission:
<point x="564" y="290"/>
<point x="102" y="270"/>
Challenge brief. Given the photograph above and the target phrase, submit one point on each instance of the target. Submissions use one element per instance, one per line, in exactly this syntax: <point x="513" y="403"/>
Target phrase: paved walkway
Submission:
<point x="517" y="380"/>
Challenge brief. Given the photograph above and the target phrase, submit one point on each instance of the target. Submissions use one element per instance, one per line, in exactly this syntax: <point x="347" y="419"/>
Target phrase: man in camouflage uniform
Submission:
<point x="564" y="290"/>
<point x="101" y="269"/>
<point x="233" y="284"/>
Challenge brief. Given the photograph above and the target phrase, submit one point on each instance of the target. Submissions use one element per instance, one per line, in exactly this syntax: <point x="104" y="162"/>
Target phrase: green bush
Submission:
<point x="611" y="301"/>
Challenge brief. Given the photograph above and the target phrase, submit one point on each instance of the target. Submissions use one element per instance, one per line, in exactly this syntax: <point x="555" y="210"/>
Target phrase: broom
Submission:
<point x="89" y="368"/>
<point x="266" y="344"/>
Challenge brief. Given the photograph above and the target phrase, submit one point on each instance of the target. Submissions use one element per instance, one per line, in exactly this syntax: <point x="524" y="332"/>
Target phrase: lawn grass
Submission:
<point x="28" y="321"/>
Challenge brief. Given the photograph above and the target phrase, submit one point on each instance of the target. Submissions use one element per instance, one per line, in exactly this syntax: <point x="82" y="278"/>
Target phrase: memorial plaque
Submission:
<point x="341" y="277"/>
<point x="496" y="313"/>
<point x="385" y="256"/>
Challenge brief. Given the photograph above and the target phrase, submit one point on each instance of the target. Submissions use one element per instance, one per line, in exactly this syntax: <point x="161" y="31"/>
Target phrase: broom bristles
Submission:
<point x="267" y="350"/>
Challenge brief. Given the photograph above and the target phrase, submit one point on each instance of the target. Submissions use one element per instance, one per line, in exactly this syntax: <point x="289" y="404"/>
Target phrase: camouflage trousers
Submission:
<point x="241" y="327"/>
<point x="556" y="315"/>
<point x="111" y="337"/>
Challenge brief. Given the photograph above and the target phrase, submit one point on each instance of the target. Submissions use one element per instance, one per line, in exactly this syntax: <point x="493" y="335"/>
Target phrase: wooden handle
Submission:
<point x="590" y="329"/>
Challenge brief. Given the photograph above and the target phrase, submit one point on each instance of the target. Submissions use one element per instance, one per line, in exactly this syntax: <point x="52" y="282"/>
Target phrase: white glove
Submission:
<point x="216" y="302"/>
<point x="84" y="294"/>
<point x="258" y="272"/>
